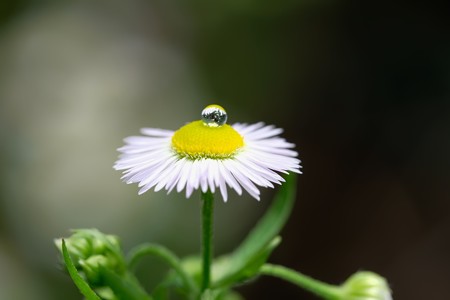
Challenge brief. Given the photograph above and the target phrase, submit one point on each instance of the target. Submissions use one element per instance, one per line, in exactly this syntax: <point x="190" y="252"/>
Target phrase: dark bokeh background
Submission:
<point x="362" y="89"/>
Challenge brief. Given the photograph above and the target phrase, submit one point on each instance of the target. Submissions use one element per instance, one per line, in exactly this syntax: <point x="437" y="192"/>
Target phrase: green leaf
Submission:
<point x="125" y="287"/>
<point x="259" y="259"/>
<point x="82" y="285"/>
<point x="262" y="239"/>
<point x="249" y="270"/>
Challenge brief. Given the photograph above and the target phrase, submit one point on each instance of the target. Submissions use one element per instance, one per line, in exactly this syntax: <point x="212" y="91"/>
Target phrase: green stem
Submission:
<point x="207" y="236"/>
<point x="166" y="255"/>
<point x="321" y="289"/>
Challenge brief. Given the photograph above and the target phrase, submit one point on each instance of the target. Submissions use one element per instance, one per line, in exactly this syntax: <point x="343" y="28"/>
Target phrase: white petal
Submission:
<point x="263" y="133"/>
<point x="184" y="175"/>
<point x="150" y="161"/>
<point x="157" y="132"/>
<point x="243" y="129"/>
<point x="223" y="189"/>
<point x="242" y="179"/>
<point x="203" y="175"/>
<point x="229" y="178"/>
<point x="212" y="170"/>
<point x="176" y="175"/>
<point x="265" y="172"/>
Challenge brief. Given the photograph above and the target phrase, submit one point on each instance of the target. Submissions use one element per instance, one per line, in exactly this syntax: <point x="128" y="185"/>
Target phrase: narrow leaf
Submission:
<point x="251" y="268"/>
<point x="263" y="233"/>
<point x="82" y="285"/>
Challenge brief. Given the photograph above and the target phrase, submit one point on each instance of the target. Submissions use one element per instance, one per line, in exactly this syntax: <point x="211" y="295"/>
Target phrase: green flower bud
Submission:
<point x="90" y="250"/>
<point x="78" y="248"/>
<point x="91" y="267"/>
<point x="365" y="286"/>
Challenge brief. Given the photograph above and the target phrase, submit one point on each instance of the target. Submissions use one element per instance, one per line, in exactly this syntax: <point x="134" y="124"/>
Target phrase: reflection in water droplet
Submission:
<point x="214" y="116"/>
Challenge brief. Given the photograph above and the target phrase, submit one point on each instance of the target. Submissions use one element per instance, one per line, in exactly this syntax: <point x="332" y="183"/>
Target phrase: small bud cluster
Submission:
<point x="91" y="250"/>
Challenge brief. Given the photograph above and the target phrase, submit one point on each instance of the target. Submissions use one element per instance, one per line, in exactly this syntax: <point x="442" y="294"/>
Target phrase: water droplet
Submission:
<point x="214" y="116"/>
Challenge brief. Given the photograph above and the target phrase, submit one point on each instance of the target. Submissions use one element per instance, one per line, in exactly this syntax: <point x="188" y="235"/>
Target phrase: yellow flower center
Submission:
<point x="198" y="140"/>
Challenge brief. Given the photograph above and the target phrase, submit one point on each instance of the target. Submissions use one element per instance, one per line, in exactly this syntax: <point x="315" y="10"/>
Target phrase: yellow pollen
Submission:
<point x="197" y="140"/>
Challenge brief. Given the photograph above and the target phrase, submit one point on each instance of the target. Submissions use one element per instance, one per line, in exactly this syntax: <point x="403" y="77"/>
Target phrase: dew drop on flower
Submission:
<point x="214" y="116"/>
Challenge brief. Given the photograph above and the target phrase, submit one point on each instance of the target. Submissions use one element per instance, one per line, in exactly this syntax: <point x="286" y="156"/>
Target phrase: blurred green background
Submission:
<point x="362" y="89"/>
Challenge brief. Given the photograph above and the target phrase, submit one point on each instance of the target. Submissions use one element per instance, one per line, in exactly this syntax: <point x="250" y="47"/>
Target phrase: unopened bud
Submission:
<point x="90" y="250"/>
<point x="365" y="286"/>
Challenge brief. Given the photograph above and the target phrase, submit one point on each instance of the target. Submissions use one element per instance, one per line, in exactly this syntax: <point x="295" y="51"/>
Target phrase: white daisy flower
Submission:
<point x="208" y="154"/>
